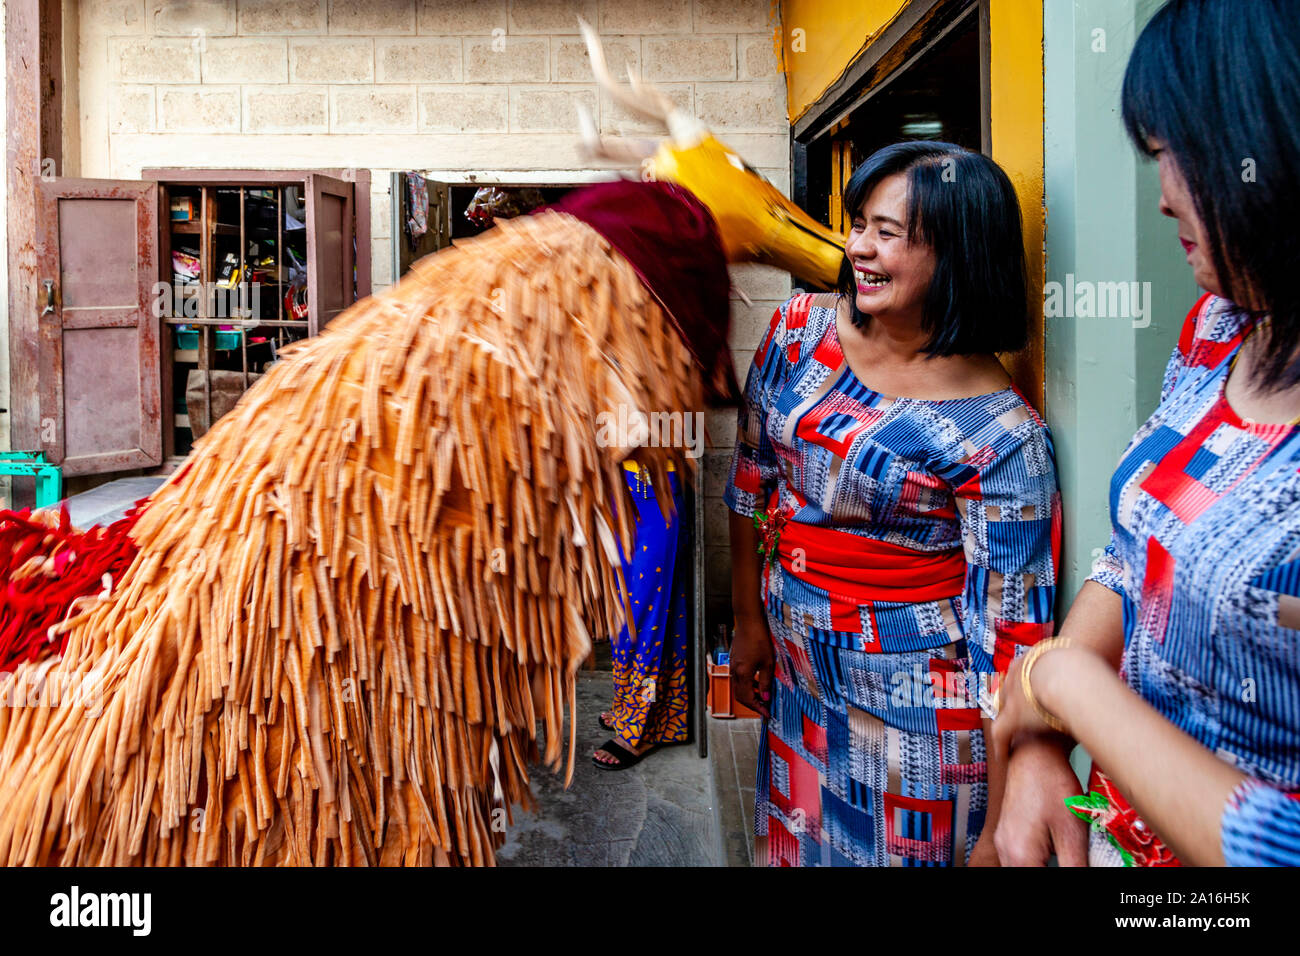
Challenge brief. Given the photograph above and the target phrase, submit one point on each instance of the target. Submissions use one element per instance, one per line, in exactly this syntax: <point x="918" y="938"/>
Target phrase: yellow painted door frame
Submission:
<point x="1016" y="127"/>
<point x="819" y="50"/>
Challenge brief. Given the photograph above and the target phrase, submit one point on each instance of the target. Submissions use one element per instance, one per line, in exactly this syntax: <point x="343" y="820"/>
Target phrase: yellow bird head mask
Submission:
<point x="756" y="222"/>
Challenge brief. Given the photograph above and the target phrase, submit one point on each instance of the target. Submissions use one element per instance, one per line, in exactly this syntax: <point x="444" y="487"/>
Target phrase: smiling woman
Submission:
<point x="914" y="205"/>
<point x="905" y="500"/>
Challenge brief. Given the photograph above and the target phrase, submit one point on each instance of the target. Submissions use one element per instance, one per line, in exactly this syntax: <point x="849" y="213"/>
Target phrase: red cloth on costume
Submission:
<point x="1122" y="823"/>
<point x="672" y="241"/>
<point x="46" y="565"/>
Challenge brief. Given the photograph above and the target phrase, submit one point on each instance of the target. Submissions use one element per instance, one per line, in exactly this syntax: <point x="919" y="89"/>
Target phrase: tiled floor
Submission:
<point x="733" y="751"/>
<point x="658" y="813"/>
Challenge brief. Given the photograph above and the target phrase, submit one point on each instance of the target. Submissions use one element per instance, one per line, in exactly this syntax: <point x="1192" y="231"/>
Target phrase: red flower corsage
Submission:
<point x="1106" y="809"/>
<point x="769" y="530"/>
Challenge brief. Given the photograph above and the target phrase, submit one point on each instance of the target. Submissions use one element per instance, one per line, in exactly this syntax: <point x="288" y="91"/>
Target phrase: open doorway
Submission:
<point x="431" y="212"/>
<point x="931" y="83"/>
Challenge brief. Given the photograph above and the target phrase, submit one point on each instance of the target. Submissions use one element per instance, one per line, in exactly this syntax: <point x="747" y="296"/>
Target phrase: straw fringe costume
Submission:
<point x="340" y="632"/>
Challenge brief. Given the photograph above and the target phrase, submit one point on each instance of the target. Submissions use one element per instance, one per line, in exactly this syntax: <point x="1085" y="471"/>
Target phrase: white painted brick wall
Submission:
<point x="380" y="108"/>
<point x="154" y="60"/>
<point x="757" y="58"/>
<point x="131" y="108"/>
<point x="452" y="17"/>
<point x="283" y="17"/>
<point x="549" y="16"/>
<point x="571" y="64"/>
<point x="507" y="59"/>
<point x="198" y="109"/>
<point x="690" y="58"/>
<point x="548" y="109"/>
<point x="371" y="17"/>
<point x="452" y="86"/>
<point x="285" y="109"/>
<point x="464" y="109"/>
<point x="662" y="16"/>
<point x="191" y="18"/>
<point x="733" y="16"/>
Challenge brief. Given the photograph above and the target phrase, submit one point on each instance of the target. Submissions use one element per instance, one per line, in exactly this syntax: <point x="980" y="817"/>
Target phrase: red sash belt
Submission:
<point x="865" y="569"/>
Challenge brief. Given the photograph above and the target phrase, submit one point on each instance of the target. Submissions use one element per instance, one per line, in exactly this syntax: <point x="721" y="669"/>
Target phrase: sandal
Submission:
<point x="625" y="757"/>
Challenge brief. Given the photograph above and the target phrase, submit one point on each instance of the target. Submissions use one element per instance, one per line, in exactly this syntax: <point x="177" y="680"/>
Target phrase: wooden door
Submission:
<point x="437" y="236"/>
<point x="330" y="255"/>
<point x="439" y="233"/>
<point x="99" y="393"/>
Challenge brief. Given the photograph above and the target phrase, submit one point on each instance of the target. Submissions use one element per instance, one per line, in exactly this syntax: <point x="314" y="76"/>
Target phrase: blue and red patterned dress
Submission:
<point x="1205" y="554"/>
<point x="915" y="546"/>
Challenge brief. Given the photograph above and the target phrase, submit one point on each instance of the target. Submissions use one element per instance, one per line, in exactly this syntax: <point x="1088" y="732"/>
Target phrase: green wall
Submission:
<point x="1103" y="226"/>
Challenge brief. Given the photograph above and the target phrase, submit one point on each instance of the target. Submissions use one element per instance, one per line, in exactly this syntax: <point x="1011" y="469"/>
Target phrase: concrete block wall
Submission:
<point x="451" y="87"/>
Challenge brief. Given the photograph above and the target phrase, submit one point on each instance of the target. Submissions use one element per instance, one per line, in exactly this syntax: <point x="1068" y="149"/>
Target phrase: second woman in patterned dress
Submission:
<point x="1178" y="668"/>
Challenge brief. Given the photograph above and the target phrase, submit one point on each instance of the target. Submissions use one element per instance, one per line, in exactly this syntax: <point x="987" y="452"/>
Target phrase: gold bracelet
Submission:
<point x="1027" y="688"/>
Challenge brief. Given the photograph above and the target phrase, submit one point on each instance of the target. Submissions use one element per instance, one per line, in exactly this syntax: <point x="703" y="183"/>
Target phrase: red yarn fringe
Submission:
<point x="46" y="567"/>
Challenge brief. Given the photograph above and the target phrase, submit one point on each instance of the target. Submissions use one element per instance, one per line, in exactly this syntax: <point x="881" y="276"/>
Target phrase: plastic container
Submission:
<point x="225" y="339"/>
<point x="720" y="701"/>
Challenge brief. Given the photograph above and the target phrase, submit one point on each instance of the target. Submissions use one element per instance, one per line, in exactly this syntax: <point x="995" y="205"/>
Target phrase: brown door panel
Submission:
<point x="330" y="277"/>
<point x="97" y="263"/>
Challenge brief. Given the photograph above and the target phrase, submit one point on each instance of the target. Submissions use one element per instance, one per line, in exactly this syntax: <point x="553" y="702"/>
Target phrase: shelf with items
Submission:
<point x="258" y="241"/>
<point x="238" y="292"/>
<point x="195" y="228"/>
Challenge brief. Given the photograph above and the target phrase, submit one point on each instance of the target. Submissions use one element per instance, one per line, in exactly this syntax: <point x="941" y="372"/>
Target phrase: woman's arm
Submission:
<point x="1096" y="623"/>
<point x="746" y="570"/>
<point x="754" y="473"/>
<point x="1176" y="785"/>
<point x="1039" y="776"/>
<point x="1034" y="821"/>
<point x="752" y="657"/>
<point x="1008" y="503"/>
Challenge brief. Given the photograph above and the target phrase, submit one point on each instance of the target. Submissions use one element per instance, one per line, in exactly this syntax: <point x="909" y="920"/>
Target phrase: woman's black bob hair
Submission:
<point x="963" y="206"/>
<point x="1217" y="84"/>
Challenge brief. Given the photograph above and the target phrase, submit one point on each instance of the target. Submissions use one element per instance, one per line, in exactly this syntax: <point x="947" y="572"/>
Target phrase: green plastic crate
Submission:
<point x="225" y="338"/>
<point x="32" y="464"/>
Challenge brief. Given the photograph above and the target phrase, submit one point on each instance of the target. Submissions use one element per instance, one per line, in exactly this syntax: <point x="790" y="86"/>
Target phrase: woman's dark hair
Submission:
<point x="964" y="207"/>
<point x="1217" y="82"/>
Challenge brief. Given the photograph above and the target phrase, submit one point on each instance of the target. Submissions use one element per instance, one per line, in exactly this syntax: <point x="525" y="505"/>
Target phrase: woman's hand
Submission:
<point x="1016" y="718"/>
<point x="753" y="661"/>
<point x="752" y="656"/>
<point x="1178" y="786"/>
<point x="1034" y="821"/>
